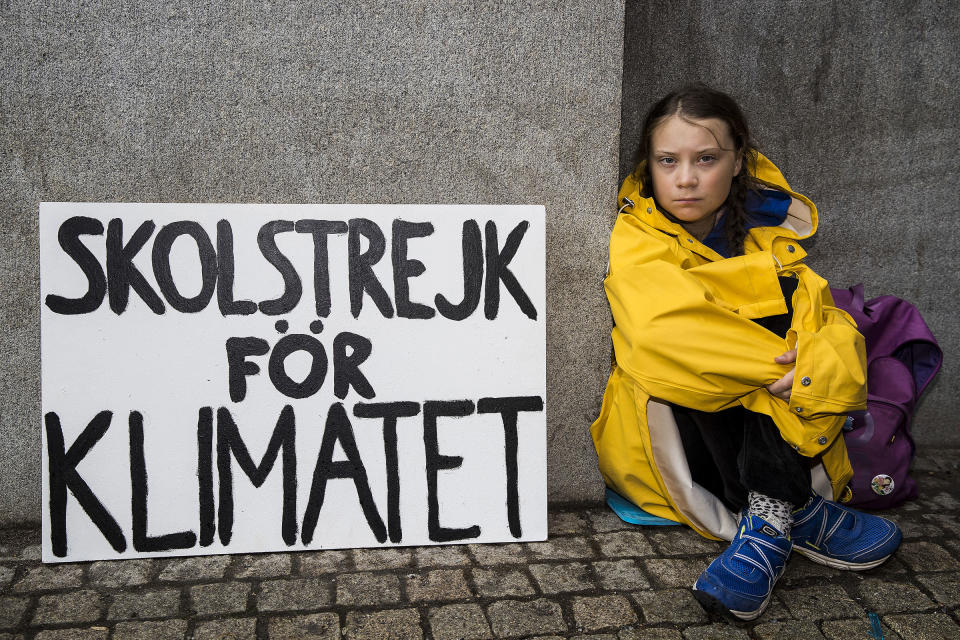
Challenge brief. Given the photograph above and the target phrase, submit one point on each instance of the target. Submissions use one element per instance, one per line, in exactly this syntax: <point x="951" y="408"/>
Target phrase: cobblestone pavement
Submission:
<point x="596" y="577"/>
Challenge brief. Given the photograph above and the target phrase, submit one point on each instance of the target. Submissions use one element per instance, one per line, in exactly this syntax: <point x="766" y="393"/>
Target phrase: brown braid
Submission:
<point x="735" y="225"/>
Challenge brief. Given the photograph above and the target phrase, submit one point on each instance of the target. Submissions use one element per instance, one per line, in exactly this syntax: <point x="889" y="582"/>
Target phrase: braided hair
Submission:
<point x="698" y="101"/>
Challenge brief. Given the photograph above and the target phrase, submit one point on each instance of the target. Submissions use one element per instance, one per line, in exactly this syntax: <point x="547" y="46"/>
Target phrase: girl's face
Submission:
<point x="692" y="163"/>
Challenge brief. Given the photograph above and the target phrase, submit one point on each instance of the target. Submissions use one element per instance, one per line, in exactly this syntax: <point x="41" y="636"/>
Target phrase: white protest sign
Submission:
<point x="225" y="378"/>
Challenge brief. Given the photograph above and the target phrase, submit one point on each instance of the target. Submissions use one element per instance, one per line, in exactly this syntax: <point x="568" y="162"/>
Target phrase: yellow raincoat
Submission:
<point x="683" y="334"/>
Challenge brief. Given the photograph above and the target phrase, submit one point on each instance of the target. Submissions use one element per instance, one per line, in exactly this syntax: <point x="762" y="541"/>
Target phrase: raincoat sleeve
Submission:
<point x="831" y="376"/>
<point x="676" y="336"/>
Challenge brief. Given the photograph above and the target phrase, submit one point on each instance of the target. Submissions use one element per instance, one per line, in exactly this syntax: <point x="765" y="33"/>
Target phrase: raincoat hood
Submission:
<point x="800" y="222"/>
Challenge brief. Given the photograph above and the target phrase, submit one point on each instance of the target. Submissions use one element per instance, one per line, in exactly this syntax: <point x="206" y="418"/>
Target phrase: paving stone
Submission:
<point x="11" y="611"/>
<point x="561" y="523"/>
<point x="721" y="631"/>
<point x="855" y="629"/>
<point x="226" y="629"/>
<point x="927" y="556"/>
<point x="294" y="595"/>
<point x="669" y="605"/>
<point x="6" y="576"/>
<point x="675" y="572"/>
<point x="800" y="569"/>
<point x="318" y="563"/>
<point x="624" y="543"/>
<point x="264" y="565"/>
<point x="924" y="626"/>
<point x="892" y="568"/>
<point x="195" y="569"/>
<point x="227" y="597"/>
<point x="367" y="589"/>
<point x="572" y="548"/>
<point x="152" y="630"/>
<point x="595" y="636"/>
<point x="501" y="582"/>
<point x="560" y="578"/>
<point x="316" y="626"/>
<point x="376" y="559"/>
<point x="946" y="521"/>
<point x="945" y="587"/>
<point x="892" y="597"/>
<point x="913" y="528"/>
<point x="10" y="545"/>
<point x="31" y="553"/>
<point x="113" y="574"/>
<point x="62" y="608"/>
<point x="459" y="622"/>
<point x="649" y="633"/>
<point x="620" y="575"/>
<point x="437" y="585"/>
<point x="510" y="618"/>
<point x="492" y="554"/>
<point x="145" y="604"/>
<point x="826" y="601"/>
<point x="603" y="612"/>
<point x="88" y="633"/>
<point x="604" y="520"/>
<point x="945" y="502"/>
<point x="49" y="578"/>
<point x="776" y="610"/>
<point x="677" y="541"/>
<point x="954" y="545"/>
<point x="442" y="556"/>
<point x="789" y="630"/>
<point x="391" y="624"/>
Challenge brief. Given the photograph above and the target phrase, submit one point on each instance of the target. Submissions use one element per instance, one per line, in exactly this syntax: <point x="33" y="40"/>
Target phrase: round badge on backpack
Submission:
<point x="882" y="484"/>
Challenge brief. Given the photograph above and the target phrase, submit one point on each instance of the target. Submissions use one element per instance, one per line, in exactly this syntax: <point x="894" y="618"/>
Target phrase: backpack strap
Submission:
<point x="857" y="300"/>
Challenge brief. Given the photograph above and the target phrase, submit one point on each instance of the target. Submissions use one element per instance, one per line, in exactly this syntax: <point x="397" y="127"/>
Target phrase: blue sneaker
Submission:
<point x="842" y="538"/>
<point x="741" y="580"/>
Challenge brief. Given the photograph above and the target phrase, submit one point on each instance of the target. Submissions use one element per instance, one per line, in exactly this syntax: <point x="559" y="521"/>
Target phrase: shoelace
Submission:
<point x="823" y="534"/>
<point x="758" y="544"/>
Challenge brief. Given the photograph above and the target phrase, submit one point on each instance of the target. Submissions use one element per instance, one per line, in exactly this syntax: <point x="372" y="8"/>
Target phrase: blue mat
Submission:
<point x="629" y="512"/>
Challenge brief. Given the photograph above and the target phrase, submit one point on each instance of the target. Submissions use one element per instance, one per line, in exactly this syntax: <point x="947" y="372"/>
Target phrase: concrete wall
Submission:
<point x="857" y="103"/>
<point x="435" y="102"/>
<point x="496" y="102"/>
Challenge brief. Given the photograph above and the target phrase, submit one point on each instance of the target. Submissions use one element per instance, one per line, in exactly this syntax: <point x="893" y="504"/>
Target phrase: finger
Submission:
<point x="778" y="387"/>
<point x="783" y="394"/>
<point x="787" y="357"/>
<point x="788" y="379"/>
<point x="783" y="385"/>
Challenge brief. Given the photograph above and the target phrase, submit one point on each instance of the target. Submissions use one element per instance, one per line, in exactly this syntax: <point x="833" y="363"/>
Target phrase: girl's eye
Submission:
<point x="667" y="161"/>
<point x="707" y="159"/>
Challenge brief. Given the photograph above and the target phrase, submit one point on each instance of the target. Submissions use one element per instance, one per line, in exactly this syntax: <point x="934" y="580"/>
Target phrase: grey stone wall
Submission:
<point x="500" y="102"/>
<point x="857" y="103"/>
<point x="378" y="102"/>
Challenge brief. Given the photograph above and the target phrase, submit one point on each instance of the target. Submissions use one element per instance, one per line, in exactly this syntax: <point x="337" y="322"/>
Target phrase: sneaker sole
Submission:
<point x="839" y="564"/>
<point x="712" y="605"/>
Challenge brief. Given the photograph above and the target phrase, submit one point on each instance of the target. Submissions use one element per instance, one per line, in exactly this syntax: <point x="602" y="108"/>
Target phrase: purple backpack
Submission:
<point x="902" y="359"/>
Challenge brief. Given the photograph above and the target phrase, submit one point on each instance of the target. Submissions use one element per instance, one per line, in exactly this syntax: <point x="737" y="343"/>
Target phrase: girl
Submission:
<point x="733" y="371"/>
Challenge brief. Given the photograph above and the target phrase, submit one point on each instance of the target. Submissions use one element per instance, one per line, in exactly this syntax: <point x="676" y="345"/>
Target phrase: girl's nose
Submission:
<point x="686" y="176"/>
